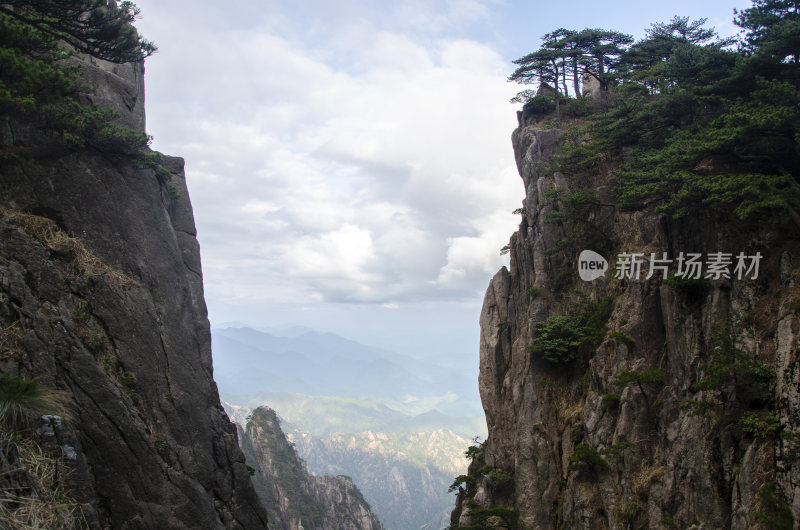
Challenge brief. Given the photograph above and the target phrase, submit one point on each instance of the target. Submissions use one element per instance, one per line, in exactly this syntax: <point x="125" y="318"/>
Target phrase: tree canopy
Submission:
<point x="701" y="121"/>
<point x="773" y="28"/>
<point x="590" y="51"/>
<point x="100" y="28"/>
<point x="36" y="80"/>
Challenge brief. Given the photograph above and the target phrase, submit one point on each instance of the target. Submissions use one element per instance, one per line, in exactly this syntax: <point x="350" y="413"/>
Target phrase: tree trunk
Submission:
<point x="555" y="78"/>
<point x="576" y="78"/>
<point x="601" y="73"/>
<point x="558" y="106"/>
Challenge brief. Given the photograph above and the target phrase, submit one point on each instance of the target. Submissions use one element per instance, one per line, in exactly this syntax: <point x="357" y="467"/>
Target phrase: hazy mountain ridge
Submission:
<point x="442" y="449"/>
<point x="247" y="361"/>
<point x="386" y="420"/>
<point x="294" y="499"/>
<point x="324" y="415"/>
<point x="404" y="476"/>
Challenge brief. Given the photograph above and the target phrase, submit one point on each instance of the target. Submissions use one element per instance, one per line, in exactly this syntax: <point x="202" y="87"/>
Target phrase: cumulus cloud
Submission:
<point x="358" y="161"/>
<point x="349" y="162"/>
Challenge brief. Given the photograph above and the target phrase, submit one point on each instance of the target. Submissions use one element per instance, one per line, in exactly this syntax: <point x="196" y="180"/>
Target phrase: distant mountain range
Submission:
<point x="396" y="424"/>
<point x="247" y="361"/>
<point x="293" y="498"/>
<point x="322" y="416"/>
<point x="403" y="475"/>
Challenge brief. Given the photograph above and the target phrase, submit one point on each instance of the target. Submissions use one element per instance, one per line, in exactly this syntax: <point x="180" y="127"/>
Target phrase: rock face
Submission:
<point x="403" y="475"/>
<point x="101" y="296"/>
<point x="116" y="86"/>
<point x="572" y="445"/>
<point x="295" y="499"/>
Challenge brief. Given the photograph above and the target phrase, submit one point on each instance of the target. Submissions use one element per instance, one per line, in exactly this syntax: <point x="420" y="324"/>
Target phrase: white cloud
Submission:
<point x="338" y="254"/>
<point x="347" y="163"/>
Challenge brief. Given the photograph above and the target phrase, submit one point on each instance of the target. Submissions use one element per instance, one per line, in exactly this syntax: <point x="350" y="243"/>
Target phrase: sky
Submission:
<point x="349" y="162"/>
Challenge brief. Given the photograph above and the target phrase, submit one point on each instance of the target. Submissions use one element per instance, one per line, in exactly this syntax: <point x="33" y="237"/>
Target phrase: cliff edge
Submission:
<point x="295" y="498"/>
<point x="633" y="402"/>
<point x="101" y="298"/>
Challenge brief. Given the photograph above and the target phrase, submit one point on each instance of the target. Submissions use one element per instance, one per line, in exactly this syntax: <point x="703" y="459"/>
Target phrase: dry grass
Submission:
<point x="644" y="478"/>
<point x="572" y="415"/>
<point x="50" y="235"/>
<point x="11" y="338"/>
<point x="34" y="460"/>
<point x="39" y="502"/>
<point x="31" y="513"/>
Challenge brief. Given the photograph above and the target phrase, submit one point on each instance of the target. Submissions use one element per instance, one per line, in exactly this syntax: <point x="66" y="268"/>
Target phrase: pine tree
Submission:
<point x="695" y="124"/>
<point x="591" y="51"/>
<point x="99" y="28"/>
<point x="773" y="28"/>
<point x="38" y="85"/>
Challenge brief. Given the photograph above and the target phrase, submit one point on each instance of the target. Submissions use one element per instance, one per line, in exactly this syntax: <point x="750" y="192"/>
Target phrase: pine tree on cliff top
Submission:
<point x="100" y="28"/>
<point x="701" y="125"/>
<point x="39" y="85"/>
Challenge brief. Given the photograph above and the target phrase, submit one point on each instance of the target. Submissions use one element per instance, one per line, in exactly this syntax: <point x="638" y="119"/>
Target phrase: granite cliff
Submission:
<point x="101" y="300"/>
<point x="683" y="408"/>
<point x="403" y="475"/>
<point x="294" y="498"/>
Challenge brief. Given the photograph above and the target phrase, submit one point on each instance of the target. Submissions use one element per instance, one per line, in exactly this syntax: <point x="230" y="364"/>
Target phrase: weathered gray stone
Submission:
<point x="295" y="499"/>
<point x="113" y="314"/>
<point x="668" y="462"/>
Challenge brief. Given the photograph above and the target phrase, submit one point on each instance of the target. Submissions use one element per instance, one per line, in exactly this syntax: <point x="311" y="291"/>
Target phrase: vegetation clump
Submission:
<point x="587" y="461"/>
<point x="645" y="379"/>
<point x="656" y="376"/>
<point x="616" y="451"/>
<point x="534" y="292"/>
<point x="610" y="401"/>
<point x="775" y="513"/>
<point x="22" y="398"/>
<point x="695" y="121"/>
<point x="620" y="336"/>
<point x="39" y="497"/>
<point x="499" y="479"/>
<point x="631" y="513"/>
<point x="38" y="83"/>
<point x="559" y="338"/>
<point x="575" y="213"/>
<point x="494" y="516"/>
<point x="763" y="425"/>
<point x="736" y="385"/>
<point x="467" y="481"/>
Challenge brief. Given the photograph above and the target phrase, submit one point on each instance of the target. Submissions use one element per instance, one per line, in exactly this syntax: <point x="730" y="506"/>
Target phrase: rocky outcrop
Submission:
<point x="295" y="499"/>
<point x="101" y="297"/>
<point x="403" y="475"/>
<point x="632" y="433"/>
<point x="115" y="86"/>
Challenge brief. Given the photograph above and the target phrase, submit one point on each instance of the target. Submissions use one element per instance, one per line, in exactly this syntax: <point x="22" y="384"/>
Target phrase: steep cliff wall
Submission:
<point x="669" y="418"/>
<point x="101" y="296"/>
<point x="404" y="476"/>
<point x="295" y="499"/>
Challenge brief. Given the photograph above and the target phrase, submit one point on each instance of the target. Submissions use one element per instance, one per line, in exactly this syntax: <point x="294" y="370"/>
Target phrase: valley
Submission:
<point x="396" y="425"/>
